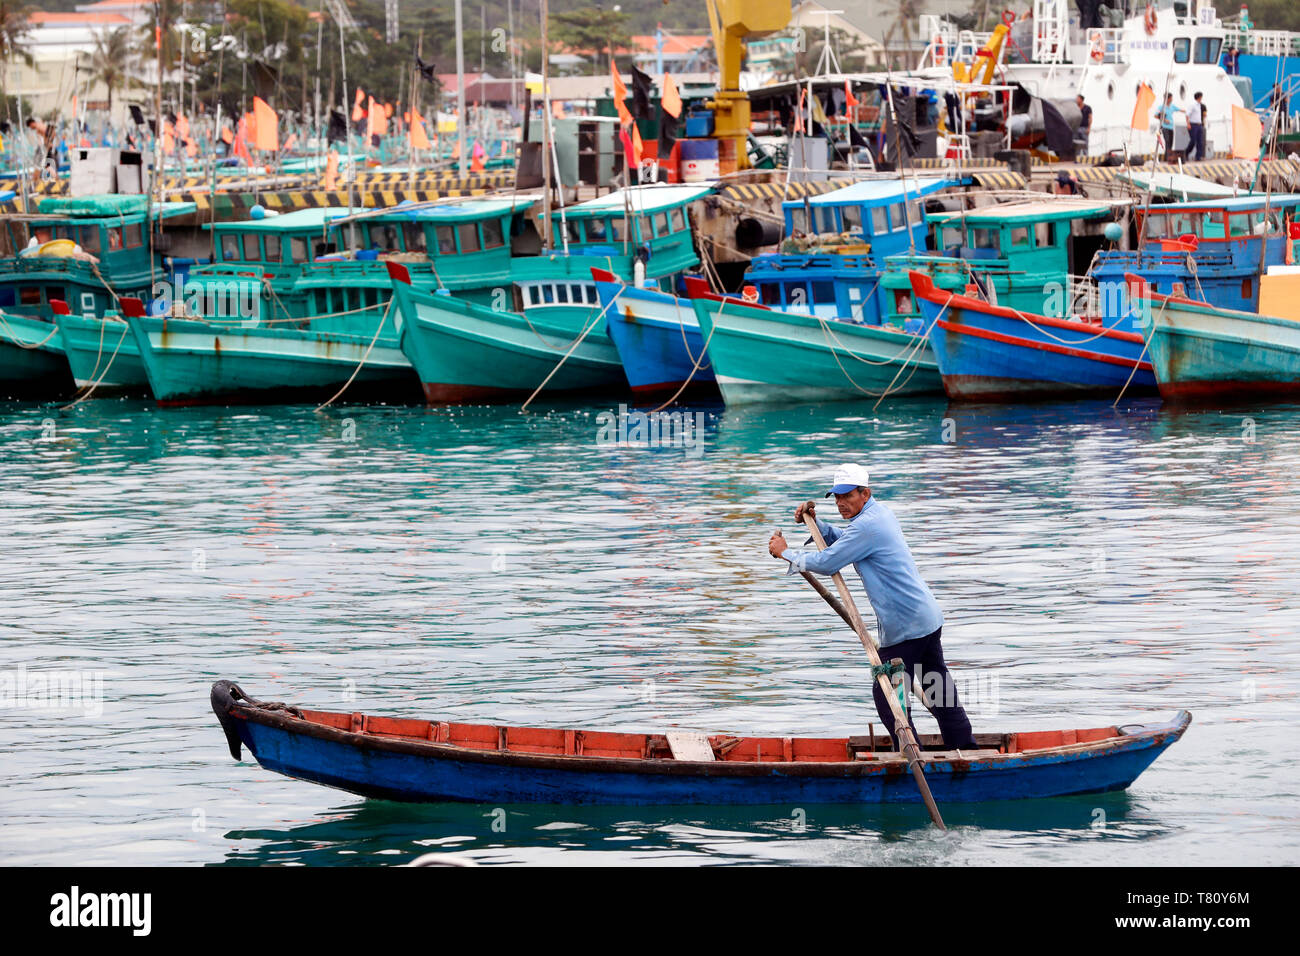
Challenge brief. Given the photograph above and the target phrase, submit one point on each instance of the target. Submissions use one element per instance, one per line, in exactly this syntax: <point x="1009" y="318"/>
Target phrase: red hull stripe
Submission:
<point x="1042" y="346"/>
<point x="932" y="294"/>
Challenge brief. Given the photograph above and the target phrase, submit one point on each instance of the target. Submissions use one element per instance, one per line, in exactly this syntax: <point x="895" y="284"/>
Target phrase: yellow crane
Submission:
<point x="733" y="22"/>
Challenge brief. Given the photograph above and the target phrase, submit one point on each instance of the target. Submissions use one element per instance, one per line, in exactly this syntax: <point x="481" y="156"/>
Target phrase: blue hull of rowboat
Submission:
<point x="988" y="353"/>
<point x="435" y="762"/>
<point x="658" y="339"/>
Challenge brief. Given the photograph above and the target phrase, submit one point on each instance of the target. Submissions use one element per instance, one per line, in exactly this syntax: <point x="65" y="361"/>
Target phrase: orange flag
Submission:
<point x="419" y="138"/>
<point x="265" y="134"/>
<point x="557" y="109"/>
<point x="850" y="101"/>
<point x="1142" y="108"/>
<point x="620" y="94"/>
<point x="636" y="144"/>
<point x="358" y="110"/>
<point x="191" y="148"/>
<point x="376" y="121"/>
<point x="332" y="170"/>
<point x="1247" y="131"/>
<point x="671" y="99"/>
<point x="227" y="136"/>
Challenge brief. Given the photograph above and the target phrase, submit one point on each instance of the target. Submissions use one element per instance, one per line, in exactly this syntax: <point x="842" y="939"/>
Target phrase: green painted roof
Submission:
<point x="640" y="199"/>
<point x="467" y="210"/>
<point x="1047" y="209"/>
<point x="298" y="219"/>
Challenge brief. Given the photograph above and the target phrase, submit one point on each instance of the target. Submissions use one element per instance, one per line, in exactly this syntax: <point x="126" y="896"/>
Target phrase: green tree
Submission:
<point x="591" y="30"/>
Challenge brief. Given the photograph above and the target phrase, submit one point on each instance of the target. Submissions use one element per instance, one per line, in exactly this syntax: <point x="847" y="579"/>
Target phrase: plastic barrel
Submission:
<point x="699" y="160"/>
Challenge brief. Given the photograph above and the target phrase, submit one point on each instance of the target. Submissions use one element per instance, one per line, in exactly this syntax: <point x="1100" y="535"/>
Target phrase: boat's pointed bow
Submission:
<point x="224" y="695"/>
<point x="922" y="284"/>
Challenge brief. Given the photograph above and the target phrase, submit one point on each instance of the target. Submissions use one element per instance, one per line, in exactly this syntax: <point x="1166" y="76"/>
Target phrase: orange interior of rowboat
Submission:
<point x="594" y="743"/>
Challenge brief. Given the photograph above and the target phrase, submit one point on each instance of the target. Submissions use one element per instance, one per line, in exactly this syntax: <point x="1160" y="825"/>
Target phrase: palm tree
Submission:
<point x="109" y="60"/>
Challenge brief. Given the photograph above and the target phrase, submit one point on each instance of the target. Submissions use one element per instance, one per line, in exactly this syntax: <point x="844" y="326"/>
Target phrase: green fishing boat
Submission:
<point x="64" y="267"/>
<point x="760" y="354"/>
<point x="553" y="322"/>
<point x="283" y="313"/>
<point x="32" y="361"/>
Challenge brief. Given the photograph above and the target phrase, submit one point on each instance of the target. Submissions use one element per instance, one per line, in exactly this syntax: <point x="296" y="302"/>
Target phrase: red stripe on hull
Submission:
<point x="439" y="394"/>
<point x="1208" y="391"/>
<point x="1016" y="340"/>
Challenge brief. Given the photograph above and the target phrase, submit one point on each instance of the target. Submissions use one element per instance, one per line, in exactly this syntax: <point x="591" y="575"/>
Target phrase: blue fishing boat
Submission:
<point x="994" y="353"/>
<point x="436" y="761"/>
<point x="1216" y="249"/>
<point x="657" y="337"/>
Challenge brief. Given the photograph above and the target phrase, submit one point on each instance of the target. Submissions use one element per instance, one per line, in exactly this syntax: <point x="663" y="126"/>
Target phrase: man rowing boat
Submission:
<point x="908" y="617"/>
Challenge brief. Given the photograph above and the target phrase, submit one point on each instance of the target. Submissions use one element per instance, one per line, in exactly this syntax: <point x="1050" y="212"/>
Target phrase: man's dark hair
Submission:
<point x="1197" y="95"/>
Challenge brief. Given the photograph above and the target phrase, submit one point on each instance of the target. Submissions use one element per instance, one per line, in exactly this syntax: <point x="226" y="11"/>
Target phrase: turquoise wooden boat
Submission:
<point x="505" y="350"/>
<point x="467" y="353"/>
<point x="760" y="354"/>
<point x="102" y="352"/>
<point x="290" y="315"/>
<point x="1202" y="352"/>
<point x="435" y="761"/>
<point x="32" y="360"/>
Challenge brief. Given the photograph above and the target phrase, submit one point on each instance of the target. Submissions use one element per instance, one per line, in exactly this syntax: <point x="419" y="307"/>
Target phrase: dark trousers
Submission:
<point x="1196" y="140"/>
<point x="926" y="655"/>
<point x="1169" y="140"/>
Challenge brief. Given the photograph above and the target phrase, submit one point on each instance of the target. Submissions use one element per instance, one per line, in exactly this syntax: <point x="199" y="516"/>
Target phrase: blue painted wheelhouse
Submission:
<point x="1216" y="249"/>
<point x="836" y="248"/>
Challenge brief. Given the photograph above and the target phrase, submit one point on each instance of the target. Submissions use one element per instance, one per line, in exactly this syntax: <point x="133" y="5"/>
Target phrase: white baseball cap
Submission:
<point x="848" y="477"/>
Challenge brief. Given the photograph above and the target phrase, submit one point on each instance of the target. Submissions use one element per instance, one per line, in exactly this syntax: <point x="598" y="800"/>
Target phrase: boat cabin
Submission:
<point x="1215" y="249"/>
<point x="1017" y="254"/>
<point x="74" y="249"/>
<point x="886" y="214"/>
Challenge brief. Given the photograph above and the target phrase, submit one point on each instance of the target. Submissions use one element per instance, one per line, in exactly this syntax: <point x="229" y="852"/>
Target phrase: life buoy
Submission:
<point x="1151" y="19"/>
<point x="1008" y="17"/>
<point x="1096" y="46"/>
<point x="938" y="47"/>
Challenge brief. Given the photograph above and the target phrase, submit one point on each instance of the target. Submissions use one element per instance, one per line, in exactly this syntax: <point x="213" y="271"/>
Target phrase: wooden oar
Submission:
<point x="901" y="726"/>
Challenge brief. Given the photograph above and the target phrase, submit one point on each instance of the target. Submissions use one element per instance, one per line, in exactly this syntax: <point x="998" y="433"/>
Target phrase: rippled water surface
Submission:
<point x="1095" y="566"/>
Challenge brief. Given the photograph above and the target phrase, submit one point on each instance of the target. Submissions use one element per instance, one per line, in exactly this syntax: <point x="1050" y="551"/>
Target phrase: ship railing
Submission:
<point x="1264" y="42"/>
<point x="1109" y="40"/>
<point x="941" y="42"/>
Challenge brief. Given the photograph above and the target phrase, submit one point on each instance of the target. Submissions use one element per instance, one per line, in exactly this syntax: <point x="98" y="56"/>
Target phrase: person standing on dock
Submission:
<point x="1166" y="115"/>
<point x="1196" y="130"/>
<point x="909" y="619"/>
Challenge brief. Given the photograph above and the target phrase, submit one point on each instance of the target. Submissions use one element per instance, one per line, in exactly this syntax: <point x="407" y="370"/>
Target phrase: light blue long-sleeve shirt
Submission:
<point x="873" y="543"/>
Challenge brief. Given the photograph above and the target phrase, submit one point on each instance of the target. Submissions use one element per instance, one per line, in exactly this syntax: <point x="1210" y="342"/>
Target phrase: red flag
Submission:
<point x="629" y="151"/>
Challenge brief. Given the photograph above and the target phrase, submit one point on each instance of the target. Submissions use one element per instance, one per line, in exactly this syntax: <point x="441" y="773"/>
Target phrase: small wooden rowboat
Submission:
<point x="436" y="761"/>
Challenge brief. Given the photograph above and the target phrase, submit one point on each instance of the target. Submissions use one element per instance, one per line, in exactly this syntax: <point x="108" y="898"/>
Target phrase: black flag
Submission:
<point x="1056" y="130"/>
<point x="640" y="93"/>
<point x="338" y="130"/>
<point x="137" y="117"/>
<point x="428" y="71"/>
